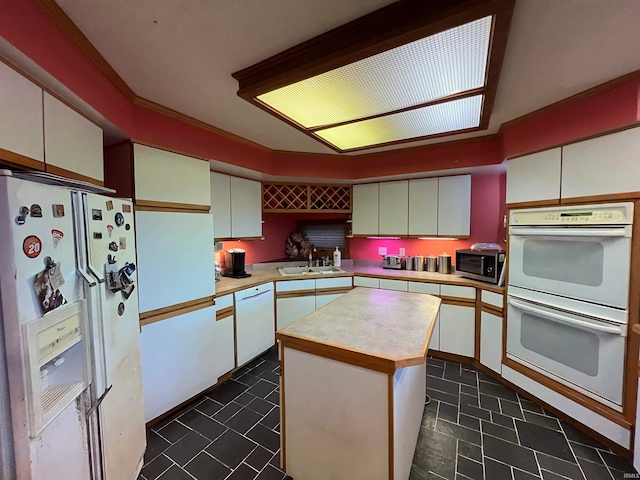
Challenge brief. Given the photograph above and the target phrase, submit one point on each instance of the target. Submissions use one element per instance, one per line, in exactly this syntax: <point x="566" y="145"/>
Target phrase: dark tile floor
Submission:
<point x="473" y="429"/>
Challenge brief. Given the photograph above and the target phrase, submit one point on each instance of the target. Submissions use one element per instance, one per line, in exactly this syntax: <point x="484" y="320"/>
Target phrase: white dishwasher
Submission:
<point x="255" y="322"/>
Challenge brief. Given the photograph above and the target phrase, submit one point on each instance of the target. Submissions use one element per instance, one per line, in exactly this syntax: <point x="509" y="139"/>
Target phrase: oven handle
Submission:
<point x="572" y="232"/>
<point x="570" y="320"/>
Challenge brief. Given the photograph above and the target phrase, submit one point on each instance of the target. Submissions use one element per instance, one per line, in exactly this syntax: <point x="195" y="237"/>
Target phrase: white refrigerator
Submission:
<point x="71" y="402"/>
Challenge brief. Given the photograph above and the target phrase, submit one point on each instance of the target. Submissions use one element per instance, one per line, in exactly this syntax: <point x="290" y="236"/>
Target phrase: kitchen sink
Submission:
<point x="291" y="271"/>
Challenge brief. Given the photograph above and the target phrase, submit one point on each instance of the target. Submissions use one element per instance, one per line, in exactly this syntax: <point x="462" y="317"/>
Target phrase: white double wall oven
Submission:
<point x="568" y="293"/>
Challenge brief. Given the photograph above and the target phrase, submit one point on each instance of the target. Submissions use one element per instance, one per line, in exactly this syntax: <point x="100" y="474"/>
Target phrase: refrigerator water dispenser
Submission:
<point x="57" y="353"/>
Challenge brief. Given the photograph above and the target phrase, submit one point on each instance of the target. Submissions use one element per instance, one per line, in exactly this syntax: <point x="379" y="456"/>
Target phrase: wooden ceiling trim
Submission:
<point x="83" y="43"/>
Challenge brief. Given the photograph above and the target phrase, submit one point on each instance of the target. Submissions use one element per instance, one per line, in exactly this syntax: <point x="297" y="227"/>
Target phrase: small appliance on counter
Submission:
<point x="394" y="262"/>
<point x="444" y="264"/>
<point x="483" y="265"/>
<point x="234" y="265"/>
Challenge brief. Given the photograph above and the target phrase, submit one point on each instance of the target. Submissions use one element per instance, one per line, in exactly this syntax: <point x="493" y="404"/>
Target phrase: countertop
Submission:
<point x="230" y="285"/>
<point x="387" y="327"/>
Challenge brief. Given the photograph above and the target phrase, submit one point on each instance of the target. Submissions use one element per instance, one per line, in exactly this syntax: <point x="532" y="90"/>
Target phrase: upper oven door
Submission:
<point x="590" y="264"/>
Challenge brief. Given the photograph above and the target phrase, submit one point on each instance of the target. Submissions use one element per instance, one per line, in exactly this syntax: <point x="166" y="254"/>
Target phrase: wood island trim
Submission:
<point x="62" y="172"/>
<point x="152" y="316"/>
<point x="224" y="313"/>
<point x="333" y="290"/>
<point x="155" y="206"/>
<point x="492" y="309"/>
<point x="13" y="159"/>
<point x="391" y="407"/>
<point x="295" y="294"/>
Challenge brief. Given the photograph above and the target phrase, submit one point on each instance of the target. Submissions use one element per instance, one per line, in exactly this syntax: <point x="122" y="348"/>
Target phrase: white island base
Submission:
<point x="343" y="422"/>
<point x="353" y="386"/>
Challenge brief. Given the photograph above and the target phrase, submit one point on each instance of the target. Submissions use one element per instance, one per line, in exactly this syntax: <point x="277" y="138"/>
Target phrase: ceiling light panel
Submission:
<point x="420" y="122"/>
<point x="434" y="67"/>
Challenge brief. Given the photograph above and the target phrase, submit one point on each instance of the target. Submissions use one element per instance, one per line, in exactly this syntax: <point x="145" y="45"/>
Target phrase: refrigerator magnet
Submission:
<point x="56" y="235"/>
<point x="96" y="214"/>
<point x="20" y="220"/>
<point x="123" y="243"/>
<point x="97" y="235"/>
<point x="109" y="204"/>
<point x="36" y="211"/>
<point x="120" y="309"/>
<point x="48" y="296"/>
<point x="119" y="219"/>
<point x="113" y="246"/>
<point x="126" y="208"/>
<point x="110" y="230"/>
<point x="58" y="210"/>
<point x="32" y="246"/>
<point x="127" y="227"/>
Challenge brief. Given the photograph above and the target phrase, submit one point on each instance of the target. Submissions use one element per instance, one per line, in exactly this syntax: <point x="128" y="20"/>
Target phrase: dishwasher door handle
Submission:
<point x="254" y="296"/>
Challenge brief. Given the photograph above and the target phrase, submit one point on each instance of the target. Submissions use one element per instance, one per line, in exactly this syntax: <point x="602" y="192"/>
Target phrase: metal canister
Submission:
<point x="418" y="263"/>
<point x="432" y="264"/>
<point x="445" y="264"/>
<point x="409" y="262"/>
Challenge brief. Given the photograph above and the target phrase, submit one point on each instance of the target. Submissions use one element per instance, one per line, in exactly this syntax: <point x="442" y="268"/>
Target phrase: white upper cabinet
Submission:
<point x="246" y="208"/>
<point x="72" y="142"/>
<point x="21" y="119"/>
<point x="423" y="206"/>
<point x="602" y="165"/>
<point x="236" y="205"/>
<point x="221" y="204"/>
<point x="365" y="209"/>
<point x="170" y="177"/>
<point x="454" y="206"/>
<point x="394" y="208"/>
<point x="534" y="177"/>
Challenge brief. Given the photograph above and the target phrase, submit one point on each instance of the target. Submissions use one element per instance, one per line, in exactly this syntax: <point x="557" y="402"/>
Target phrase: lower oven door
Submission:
<point x="581" y="352"/>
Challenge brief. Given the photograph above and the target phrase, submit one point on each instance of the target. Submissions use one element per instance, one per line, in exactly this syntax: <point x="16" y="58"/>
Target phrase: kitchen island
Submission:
<point x="353" y="386"/>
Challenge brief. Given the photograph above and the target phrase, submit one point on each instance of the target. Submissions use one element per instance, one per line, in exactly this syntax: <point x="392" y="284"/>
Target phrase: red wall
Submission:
<point x="487" y="210"/>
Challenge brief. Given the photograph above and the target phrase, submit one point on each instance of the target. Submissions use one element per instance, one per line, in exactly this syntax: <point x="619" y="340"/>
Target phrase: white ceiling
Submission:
<point x="181" y="53"/>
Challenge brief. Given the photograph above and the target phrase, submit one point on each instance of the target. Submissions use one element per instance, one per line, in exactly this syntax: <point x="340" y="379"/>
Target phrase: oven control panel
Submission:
<point x="602" y="214"/>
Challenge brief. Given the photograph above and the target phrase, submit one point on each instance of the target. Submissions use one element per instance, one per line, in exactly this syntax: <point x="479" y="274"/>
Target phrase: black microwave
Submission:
<point x="480" y="265"/>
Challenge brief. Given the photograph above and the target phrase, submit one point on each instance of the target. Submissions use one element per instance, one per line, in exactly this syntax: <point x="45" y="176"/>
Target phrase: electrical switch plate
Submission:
<point x="402" y="252"/>
<point x="382" y="250"/>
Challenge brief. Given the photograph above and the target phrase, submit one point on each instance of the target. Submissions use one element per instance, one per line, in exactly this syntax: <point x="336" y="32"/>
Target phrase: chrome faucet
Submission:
<point x="313" y="249"/>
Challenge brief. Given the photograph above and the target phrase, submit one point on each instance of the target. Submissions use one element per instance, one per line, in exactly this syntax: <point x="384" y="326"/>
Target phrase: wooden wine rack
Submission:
<point x="295" y="198"/>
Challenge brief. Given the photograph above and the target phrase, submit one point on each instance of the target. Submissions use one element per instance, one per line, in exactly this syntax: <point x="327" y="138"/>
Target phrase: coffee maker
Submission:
<point x="234" y="264"/>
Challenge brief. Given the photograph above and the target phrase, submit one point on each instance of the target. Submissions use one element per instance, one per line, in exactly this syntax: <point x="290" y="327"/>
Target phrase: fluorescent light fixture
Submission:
<point x="434" y="67"/>
<point x="442" y="117"/>
<point x="437" y="238"/>
<point x="384" y="238"/>
<point x="405" y="72"/>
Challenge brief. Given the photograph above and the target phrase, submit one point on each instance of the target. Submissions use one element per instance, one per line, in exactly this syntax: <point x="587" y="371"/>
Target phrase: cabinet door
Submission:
<point x="454" y="206"/>
<point x="366" y="282"/>
<point x="434" y="342"/>
<point x="21" y="120"/>
<point x="491" y="341"/>
<point x="394" y="208"/>
<point x="322" y="300"/>
<point x="246" y="208"/>
<point x="534" y="177"/>
<point x="457" y="330"/>
<point x="221" y="204"/>
<point x="423" y="206"/>
<point x="365" y="209"/>
<point x="225" y="350"/>
<point x="163" y="176"/>
<point x="255" y="330"/>
<point x="420" y="287"/>
<point x="602" y="165"/>
<point x="399" y="285"/>
<point x="71" y="142"/>
<point x="294" y="308"/>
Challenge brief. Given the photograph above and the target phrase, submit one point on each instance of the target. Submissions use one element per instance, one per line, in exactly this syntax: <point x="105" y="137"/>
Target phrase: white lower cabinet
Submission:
<point x="294" y="308"/>
<point x="322" y="300"/>
<point x="434" y="342"/>
<point x="255" y="332"/>
<point x="366" y="282"/>
<point x="224" y="341"/>
<point x="420" y="287"/>
<point x="491" y="341"/>
<point x="399" y="285"/>
<point x="457" y="330"/>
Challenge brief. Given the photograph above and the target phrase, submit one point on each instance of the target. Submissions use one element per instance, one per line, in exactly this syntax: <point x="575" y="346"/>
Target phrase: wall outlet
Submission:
<point x="402" y="252"/>
<point x="382" y="250"/>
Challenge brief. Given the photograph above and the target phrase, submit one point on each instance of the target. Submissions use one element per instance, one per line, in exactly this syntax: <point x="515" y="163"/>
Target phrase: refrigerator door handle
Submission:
<point x="79" y="263"/>
<point x="94" y="271"/>
<point x="98" y="401"/>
